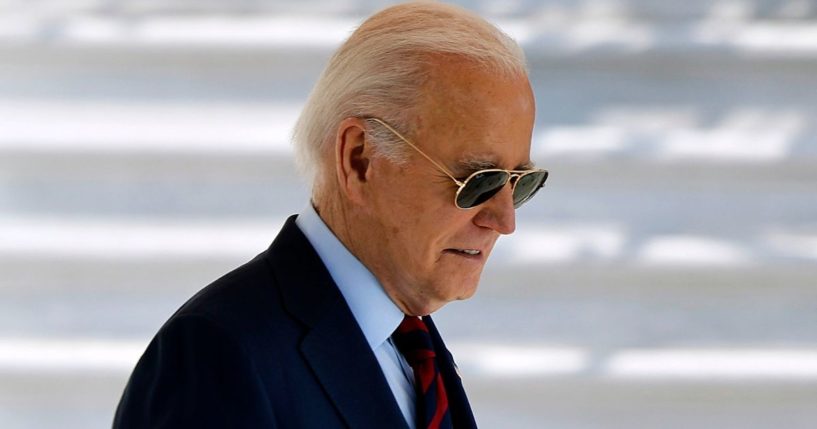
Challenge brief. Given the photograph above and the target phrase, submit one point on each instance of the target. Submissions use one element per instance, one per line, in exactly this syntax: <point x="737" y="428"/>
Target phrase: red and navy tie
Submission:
<point x="414" y="342"/>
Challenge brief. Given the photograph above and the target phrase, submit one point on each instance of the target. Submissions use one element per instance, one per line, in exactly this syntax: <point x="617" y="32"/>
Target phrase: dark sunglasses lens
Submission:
<point x="527" y="186"/>
<point x="481" y="187"/>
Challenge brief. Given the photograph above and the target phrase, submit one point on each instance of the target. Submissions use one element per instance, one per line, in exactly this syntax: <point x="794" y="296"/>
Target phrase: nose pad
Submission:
<point x="513" y="179"/>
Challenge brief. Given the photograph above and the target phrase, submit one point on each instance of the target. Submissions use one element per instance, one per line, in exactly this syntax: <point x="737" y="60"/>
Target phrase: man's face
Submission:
<point x="420" y="245"/>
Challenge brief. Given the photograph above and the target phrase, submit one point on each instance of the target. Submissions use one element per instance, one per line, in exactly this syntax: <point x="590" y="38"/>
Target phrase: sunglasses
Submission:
<point x="481" y="185"/>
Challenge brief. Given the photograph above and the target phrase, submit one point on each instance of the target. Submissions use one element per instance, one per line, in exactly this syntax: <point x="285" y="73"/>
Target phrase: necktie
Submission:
<point x="414" y="342"/>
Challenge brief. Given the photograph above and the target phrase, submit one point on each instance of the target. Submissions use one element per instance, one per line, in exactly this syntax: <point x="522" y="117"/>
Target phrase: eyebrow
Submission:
<point x="478" y="163"/>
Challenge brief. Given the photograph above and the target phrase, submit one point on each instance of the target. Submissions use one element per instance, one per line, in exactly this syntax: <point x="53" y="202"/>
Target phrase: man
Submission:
<point x="417" y="139"/>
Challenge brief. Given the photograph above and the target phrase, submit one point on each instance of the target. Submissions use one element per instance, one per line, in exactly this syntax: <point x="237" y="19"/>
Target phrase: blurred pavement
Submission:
<point x="665" y="277"/>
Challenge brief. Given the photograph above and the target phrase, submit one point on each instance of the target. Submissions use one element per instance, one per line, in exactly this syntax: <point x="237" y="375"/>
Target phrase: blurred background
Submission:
<point x="664" y="278"/>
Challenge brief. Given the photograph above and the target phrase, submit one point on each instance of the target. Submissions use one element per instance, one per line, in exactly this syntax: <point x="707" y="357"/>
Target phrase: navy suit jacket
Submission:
<point x="272" y="344"/>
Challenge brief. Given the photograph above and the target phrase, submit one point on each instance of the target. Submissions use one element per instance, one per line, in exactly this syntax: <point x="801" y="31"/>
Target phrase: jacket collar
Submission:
<point x="333" y="345"/>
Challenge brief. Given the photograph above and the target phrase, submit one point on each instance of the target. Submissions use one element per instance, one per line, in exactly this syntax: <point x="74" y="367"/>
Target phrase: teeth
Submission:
<point x="470" y="251"/>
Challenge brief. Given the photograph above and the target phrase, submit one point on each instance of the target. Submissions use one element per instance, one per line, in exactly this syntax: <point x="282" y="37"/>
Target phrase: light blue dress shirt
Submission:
<point x="374" y="311"/>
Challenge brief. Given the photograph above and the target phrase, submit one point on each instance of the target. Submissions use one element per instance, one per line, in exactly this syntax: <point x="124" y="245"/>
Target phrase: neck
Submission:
<point x="348" y="225"/>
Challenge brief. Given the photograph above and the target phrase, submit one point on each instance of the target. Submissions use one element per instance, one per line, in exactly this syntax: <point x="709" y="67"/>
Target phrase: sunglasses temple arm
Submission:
<point x="436" y="164"/>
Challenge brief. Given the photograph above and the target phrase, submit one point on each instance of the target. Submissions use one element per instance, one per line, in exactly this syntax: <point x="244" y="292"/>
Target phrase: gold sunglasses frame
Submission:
<point x="513" y="175"/>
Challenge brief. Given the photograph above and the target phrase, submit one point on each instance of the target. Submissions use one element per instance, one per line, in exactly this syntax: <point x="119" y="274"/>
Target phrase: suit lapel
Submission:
<point x="334" y="346"/>
<point x="461" y="414"/>
<point x="351" y="375"/>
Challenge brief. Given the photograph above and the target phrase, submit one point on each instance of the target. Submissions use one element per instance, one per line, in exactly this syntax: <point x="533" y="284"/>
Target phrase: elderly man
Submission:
<point x="417" y="139"/>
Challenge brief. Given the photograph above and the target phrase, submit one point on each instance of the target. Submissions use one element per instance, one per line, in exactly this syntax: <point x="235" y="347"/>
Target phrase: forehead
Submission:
<point x="464" y="87"/>
<point x="472" y="145"/>
<point x="475" y="119"/>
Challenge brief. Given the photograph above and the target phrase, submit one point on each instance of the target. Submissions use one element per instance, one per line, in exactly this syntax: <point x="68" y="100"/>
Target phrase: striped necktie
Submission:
<point x="414" y="342"/>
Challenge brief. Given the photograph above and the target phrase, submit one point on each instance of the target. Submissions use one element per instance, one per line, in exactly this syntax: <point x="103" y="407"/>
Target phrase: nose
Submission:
<point x="498" y="212"/>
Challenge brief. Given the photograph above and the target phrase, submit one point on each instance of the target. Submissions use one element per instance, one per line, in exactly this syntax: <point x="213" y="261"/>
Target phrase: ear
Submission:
<point x="352" y="158"/>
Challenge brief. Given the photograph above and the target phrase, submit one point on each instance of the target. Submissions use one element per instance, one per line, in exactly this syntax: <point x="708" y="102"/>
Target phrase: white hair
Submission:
<point x="381" y="69"/>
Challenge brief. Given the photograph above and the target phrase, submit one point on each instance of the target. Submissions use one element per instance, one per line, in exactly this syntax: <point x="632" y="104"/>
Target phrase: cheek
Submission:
<point x="398" y="214"/>
<point x="417" y="215"/>
<point x="415" y="231"/>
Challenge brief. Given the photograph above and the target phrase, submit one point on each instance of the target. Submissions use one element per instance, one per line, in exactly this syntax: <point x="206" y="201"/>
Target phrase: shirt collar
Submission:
<point x="374" y="311"/>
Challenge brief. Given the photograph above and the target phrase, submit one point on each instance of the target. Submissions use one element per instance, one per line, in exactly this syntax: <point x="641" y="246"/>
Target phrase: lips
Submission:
<point x="465" y="252"/>
<point x="469" y="251"/>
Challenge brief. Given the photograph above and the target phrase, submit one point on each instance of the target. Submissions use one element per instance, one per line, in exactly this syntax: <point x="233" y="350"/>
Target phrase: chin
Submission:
<point x="456" y="286"/>
<point x="467" y="291"/>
